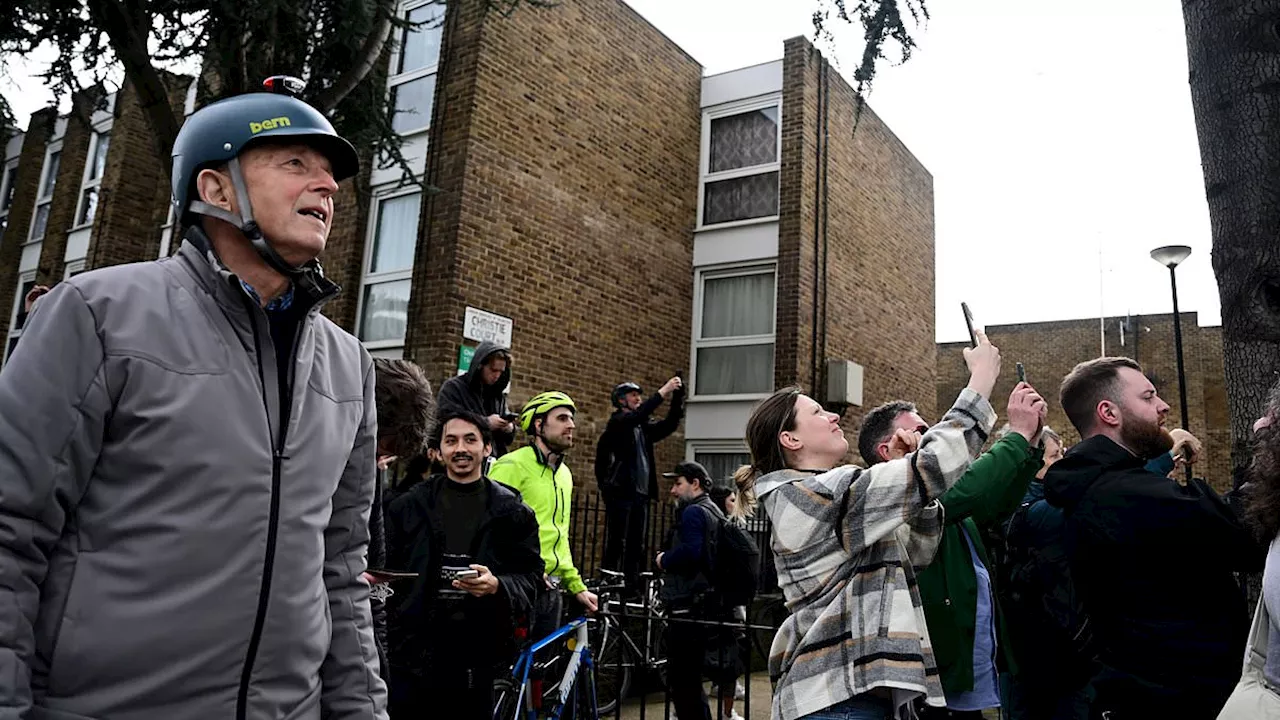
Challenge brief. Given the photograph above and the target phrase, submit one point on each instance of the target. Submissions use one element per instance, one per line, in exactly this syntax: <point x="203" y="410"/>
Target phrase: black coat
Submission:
<point x="468" y="393"/>
<point x="1153" y="561"/>
<point x="618" y="469"/>
<point x="506" y="543"/>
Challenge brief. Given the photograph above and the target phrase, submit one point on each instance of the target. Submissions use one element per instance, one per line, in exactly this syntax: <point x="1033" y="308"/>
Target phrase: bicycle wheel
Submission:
<point x="768" y="614"/>
<point x="506" y="694"/>
<point x="612" y="666"/>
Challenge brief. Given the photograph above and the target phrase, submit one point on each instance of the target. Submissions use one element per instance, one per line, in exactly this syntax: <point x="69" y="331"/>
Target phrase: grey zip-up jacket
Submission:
<point x="159" y="556"/>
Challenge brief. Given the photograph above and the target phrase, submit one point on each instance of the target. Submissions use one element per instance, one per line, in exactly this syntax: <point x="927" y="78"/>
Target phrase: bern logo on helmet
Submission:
<point x="271" y="124"/>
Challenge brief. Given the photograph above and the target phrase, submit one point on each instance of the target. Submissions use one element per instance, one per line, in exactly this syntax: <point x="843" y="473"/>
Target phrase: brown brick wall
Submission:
<point x="66" y="194"/>
<point x="566" y="154"/>
<point x="1049" y="350"/>
<point x="344" y="251"/>
<point x="30" y="162"/>
<point x="135" y="186"/>
<point x="879" y="293"/>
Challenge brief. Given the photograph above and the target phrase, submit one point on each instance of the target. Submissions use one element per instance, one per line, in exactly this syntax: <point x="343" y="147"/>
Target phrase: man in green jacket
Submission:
<point x="538" y="472"/>
<point x="960" y="606"/>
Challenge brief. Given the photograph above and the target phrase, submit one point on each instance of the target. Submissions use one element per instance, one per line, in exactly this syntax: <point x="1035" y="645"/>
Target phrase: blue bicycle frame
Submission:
<point x="568" y="689"/>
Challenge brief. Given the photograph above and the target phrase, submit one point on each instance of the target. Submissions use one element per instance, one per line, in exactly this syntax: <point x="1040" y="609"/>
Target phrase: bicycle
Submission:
<point x="576" y="687"/>
<point x="628" y="636"/>
<point x="520" y="693"/>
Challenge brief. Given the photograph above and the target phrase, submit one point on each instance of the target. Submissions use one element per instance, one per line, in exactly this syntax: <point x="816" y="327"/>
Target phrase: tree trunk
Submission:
<point x="128" y="32"/>
<point x="1233" y="51"/>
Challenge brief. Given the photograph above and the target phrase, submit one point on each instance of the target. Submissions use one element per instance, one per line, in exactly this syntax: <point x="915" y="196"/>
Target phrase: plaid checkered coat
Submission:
<point x="845" y="542"/>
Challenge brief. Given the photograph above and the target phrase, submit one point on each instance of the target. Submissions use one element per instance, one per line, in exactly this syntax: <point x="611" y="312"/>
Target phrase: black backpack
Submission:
<point x="734" y="559"/>
<point x="1039" y="591"/>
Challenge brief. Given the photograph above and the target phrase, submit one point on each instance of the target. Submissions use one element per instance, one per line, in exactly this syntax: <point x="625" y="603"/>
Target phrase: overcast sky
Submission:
<point x="1054" y="130"/>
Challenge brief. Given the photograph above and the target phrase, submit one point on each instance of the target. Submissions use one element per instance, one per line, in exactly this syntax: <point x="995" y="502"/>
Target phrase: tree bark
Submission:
<point x="128" y="32"/>
<point x="1233" y="52"/>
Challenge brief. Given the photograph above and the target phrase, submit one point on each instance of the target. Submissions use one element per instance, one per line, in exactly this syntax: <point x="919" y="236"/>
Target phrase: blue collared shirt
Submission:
<point x="986" y="685"/>
<point x="281" y="303"/>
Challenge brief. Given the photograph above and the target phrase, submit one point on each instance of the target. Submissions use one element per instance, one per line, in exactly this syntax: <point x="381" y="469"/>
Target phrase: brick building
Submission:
<point x="596" y="199"/>
<point x="1049" y="350"/>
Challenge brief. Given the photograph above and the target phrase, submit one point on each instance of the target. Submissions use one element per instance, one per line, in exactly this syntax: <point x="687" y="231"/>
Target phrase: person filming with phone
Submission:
<point x="482" y="390"/>
<point x="474" y="548"/>
<point x="625" y="470"/>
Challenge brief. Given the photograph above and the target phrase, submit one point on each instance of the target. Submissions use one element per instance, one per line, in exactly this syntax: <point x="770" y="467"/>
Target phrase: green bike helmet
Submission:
<point x="220" y="131"/>
<point x="541" y="404"/>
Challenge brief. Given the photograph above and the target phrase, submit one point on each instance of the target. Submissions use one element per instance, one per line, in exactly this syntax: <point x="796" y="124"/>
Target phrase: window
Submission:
<point x="94" y="167"/>
<point x="167" y="234"/>
<point x="8" y="182"/>
<point x="26" y="282"/>
<point x="72" y="269"/>
<point x="384" y="297"/>
<point x="48" y="179"/>
<point x="721" y="465"/>
<point x="413" y="85"/>
<point x="740" y="163"/>
<point x="734" y="332"/>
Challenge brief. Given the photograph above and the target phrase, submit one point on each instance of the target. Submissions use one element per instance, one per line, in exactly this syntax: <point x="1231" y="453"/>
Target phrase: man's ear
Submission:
<point x="1108" y="413"/>
<point x="216" y="189"/>
<point x="882" y="451"/>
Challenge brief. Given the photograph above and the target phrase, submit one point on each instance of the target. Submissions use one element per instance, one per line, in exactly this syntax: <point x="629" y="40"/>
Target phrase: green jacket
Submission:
<point x="991" y="489"/>
<point x="549" y="494"/>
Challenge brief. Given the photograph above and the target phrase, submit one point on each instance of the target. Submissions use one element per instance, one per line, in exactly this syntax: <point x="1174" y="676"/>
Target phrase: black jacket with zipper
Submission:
<point x="506" y="543"/>
<point x="624" y="456"/>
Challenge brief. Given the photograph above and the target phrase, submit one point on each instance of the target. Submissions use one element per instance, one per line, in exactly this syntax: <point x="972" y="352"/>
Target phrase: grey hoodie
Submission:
<point x="159" y="557"/>
<point x="468" y="393"/>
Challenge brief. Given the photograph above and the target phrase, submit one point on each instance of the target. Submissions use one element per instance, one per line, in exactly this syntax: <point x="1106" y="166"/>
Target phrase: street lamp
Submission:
<point x="1171" y="256"/>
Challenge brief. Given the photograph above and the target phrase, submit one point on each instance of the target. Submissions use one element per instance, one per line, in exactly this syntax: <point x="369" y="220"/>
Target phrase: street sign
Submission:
<point x="484" y="326"/>
<point x="465" y="353"/>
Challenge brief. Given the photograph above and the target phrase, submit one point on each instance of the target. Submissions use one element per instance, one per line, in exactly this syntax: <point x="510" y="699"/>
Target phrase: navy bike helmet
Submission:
<point x="219" y="132"/>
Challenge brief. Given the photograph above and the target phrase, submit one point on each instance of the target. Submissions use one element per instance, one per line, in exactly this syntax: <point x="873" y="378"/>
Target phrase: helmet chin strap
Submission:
<point x="244" y="222"/>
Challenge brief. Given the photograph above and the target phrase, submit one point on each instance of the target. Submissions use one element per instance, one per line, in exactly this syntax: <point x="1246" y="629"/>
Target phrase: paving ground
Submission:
<point x="760" y="698"/>
<point x="653" y="710"/>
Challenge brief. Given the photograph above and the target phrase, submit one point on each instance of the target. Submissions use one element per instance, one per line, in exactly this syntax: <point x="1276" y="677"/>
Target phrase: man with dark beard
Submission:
<point x="1151" y="559"/>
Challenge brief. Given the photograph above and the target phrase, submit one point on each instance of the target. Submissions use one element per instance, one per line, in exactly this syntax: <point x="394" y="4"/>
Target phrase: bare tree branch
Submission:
<point x="130" y="43"/>
<point x="366" y="59"/>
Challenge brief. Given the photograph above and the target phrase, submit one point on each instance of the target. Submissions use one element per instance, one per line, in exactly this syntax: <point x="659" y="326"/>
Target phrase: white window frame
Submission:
<point x="23" y="278"/>
<point x="166" y="233"/>
<point x="74" y="267"/>
<point x="716" y="273"/>
<point x="394" y="81"/>
<point x="693" y="447"/>
<point x="87" y="183"/>
<point x="706" y="176"/>
<point x="367" y="278"/>
<point x="44" y="199"/>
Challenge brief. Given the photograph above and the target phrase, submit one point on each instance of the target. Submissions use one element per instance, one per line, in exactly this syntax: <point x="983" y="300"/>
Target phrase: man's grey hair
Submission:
<point x="1047" y="433"/>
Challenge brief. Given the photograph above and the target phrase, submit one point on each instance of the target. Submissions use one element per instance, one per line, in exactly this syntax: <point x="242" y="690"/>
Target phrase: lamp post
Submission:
<point x="1171" y="256"/>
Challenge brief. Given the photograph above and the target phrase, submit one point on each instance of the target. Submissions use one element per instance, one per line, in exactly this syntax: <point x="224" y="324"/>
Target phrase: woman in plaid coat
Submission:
<point x="846" y="542"/>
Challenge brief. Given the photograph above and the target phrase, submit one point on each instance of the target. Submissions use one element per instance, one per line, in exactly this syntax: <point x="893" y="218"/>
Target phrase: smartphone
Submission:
<point x="1022" y="373"/>
<point x="509" y="417"/>
<point x="467" y="574"/>
<point x="968" y="321"/>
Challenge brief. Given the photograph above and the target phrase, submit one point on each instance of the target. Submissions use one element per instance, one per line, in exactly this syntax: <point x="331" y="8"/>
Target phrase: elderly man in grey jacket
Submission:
<point x="187" y="457"/>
